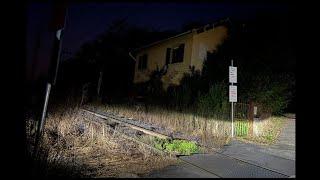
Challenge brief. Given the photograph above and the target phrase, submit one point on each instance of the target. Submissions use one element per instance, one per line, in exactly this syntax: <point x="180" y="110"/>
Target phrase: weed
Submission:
<point x="181" y="147"/>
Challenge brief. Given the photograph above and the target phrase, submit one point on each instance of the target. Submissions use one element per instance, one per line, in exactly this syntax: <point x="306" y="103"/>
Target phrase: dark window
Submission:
<point x="142" y="64"/>
<point x="168" y="56"/>
<point x="177" y="54"/>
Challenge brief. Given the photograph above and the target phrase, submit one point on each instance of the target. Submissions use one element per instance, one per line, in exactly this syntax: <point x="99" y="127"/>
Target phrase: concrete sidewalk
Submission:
<point x="242" y="160"/>
<point x="215" y="166"/>
<point x="279" y="156"/>
<point x="182" y="170"/>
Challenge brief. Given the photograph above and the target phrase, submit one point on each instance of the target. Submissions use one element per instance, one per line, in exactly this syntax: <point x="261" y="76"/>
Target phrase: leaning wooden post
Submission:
<point x="251" y="116"/>
<point x="103" y="130"/>
<point x="91" y="128"/>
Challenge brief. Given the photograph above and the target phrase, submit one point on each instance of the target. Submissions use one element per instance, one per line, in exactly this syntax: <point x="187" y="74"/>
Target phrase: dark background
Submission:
<point x="16" y="84"/>
<point x="106" y="32"/>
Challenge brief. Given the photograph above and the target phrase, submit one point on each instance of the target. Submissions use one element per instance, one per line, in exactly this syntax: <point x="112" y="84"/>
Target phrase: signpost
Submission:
<point x="232" y="92"/>
<point x="57" y="25"/>
<point x="232" y="73"/>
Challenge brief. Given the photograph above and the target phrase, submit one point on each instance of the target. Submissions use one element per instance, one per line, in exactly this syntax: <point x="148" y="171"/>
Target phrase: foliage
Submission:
<point x="182" y="147"/>
<point x="273" y="92"/>
<point x="155" y="85"/>
<point x="268" y="130"/>
<point x="215" y="101"/>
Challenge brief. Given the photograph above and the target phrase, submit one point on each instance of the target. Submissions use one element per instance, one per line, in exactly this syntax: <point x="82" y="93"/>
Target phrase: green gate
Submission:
<point x="241" y="127"/>
<point x="241" y="120"/>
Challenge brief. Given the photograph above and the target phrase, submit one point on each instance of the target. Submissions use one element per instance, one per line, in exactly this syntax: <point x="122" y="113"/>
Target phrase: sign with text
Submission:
<point x="232" y="74"/>
<point x="232" y="93"/>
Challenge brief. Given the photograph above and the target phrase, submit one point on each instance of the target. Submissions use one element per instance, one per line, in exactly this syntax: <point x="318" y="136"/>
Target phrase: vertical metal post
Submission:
<point x="60" y="48"/>
<point x="52" y="81"/>
<point x="232" y="126"/>
<point x="42" y="122"/>
<point x="44" y="111"/>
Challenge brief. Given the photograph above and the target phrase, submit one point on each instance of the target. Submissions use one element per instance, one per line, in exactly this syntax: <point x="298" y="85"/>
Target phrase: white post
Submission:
<point x="232" y="127"/>
<point x="41" y="124"/>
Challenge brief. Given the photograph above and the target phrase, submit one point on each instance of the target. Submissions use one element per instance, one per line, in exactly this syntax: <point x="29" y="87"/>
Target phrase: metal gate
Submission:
<point x="244" y="114"/>
<point x="241" y="119"/>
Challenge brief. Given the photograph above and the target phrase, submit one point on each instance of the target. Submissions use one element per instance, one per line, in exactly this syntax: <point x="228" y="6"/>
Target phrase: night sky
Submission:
<point x="87" y="20"/>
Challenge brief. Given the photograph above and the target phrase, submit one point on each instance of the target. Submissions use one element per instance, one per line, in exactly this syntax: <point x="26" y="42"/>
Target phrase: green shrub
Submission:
<point x="272" y="92"/>
<point x="186" y="93"/>
<point x="215" y="101"/>
<point x="181" y="147"/>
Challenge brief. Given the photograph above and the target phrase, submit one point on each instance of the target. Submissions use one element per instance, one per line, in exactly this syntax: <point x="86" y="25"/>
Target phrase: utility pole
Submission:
<point x="57" y="26"/>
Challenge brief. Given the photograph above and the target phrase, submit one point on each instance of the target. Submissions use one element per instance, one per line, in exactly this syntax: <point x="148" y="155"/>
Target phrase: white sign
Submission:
<point x="232" y="93"/>
<point x="232" y="74"/>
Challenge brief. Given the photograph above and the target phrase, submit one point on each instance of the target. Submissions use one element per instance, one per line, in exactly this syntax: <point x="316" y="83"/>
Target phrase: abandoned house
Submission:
<point x="175" y="55"/>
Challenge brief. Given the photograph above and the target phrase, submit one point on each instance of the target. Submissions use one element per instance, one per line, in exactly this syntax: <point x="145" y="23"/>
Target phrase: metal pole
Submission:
<point x="42" y="122"/>
<point x="44" y="111"/>
<point x="60" y="48"/>
<point x="48" y="89"/>
<point x="232" y="127"/>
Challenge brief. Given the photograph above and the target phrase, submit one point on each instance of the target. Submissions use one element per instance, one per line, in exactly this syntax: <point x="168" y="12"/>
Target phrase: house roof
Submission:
<point x="198" y="30"/>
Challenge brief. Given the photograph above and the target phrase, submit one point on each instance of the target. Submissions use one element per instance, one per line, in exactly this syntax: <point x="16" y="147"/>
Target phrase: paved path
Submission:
<point x="279" y="157"/>
<point x="240" y="159"/>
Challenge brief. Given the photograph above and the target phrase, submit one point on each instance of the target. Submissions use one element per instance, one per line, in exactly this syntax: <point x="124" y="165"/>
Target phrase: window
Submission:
<point x="142" y="63"/>
<point x="168" y="56"/>
<point x="178" y="54"/>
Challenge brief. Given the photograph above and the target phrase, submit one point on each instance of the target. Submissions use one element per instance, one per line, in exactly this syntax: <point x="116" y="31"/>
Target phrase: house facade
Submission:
<point x="177" y="54"/>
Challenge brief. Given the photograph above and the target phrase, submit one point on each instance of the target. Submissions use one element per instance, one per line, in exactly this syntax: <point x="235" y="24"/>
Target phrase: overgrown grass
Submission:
<point x="181" y="147"/>
<point x="212" y="132"/>
<point x="74" y="147"/>
<point x="267" y="130"/>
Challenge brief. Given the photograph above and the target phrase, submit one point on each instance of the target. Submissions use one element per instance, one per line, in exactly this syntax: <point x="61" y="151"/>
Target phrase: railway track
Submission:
<point x="119" y="120"/>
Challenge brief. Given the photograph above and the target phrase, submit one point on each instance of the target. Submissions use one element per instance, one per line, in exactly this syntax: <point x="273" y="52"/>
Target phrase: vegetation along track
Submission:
<point x="119" y="120"/>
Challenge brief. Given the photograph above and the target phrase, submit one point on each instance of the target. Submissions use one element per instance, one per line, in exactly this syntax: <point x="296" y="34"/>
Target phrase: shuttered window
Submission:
<point x="178" y="54"/>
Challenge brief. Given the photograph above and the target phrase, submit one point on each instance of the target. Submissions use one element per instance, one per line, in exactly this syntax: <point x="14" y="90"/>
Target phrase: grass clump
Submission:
<point x="182" y="147"/>
<point x="267" y="130"/>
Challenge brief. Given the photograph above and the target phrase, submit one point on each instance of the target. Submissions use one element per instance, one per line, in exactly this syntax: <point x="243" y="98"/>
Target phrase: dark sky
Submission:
<point x="86" y="20"/>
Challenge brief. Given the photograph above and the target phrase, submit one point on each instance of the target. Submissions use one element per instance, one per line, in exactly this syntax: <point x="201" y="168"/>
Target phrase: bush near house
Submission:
<point x="215" y="101"/>
<point x="208" y="97"/>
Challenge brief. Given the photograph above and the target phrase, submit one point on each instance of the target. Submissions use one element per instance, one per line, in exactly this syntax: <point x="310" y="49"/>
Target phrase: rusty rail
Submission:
<point x="115" y="119"/>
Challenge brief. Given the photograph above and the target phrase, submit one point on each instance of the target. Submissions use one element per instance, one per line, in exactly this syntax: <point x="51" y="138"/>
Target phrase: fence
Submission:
<point x="244" y="114"/>
<point x="241" y="118"/>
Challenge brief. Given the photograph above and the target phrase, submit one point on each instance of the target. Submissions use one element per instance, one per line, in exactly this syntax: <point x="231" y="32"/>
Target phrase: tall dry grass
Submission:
<point x="72" y="145"/>
<point x="212" y="132"/>
<point x="266" y="131"/>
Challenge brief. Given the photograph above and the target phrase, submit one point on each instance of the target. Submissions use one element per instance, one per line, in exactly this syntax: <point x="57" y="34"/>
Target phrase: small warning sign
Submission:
<point x="232" y="74"/>
<point x="232" y="93"/>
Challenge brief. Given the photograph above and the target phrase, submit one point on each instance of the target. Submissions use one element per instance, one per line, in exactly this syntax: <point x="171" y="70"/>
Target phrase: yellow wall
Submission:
<point x="195" y="46"/>
<point x="206" y="41"/>
<point x="157" y="57"/>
